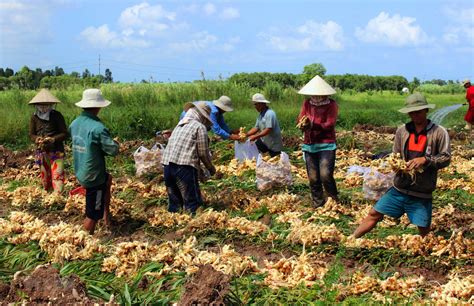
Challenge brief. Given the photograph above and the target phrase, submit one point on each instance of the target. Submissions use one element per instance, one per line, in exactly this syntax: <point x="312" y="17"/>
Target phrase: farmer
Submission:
<point x="91" y="142"/>
<point x="469" y="117"/>
<point x="317" y="119"/>
<point x="218" y="108"/>
<point x="266" y="132"/>
<point x="187" y="147"/>
<point x="48" y="131"/>
<point x="424" y="145"/>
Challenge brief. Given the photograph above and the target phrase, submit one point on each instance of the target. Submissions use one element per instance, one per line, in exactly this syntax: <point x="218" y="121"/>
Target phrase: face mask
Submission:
<point x="44" y="108"/>
<point x="43" y="111"/>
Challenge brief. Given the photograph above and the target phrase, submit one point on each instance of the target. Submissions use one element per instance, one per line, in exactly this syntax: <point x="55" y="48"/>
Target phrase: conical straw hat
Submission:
<point x="317" y="87"/>
<point x="44" y="96"/>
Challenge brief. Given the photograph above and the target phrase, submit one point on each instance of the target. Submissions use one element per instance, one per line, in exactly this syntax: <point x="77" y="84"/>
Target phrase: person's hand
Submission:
<point x="212" y="171"/>
<point x="234" y="137"/>
<point x="416" y="163"/>
<point x="39" y="140"/>
<point x="48" y="140"/>
<point x="253" y="137"/>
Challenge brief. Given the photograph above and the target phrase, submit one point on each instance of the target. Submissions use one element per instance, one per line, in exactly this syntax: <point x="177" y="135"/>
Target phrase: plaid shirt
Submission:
<point x="188" y="145"/>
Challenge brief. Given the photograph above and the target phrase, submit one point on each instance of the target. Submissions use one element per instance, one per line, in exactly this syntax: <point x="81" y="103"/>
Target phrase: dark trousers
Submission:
<point x="263" y="148"/>
<point x="183" y="187"/>
<point x="320" y="169"/>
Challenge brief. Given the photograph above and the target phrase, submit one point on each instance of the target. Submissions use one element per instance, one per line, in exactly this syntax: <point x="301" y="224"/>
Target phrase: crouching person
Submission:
<point x="91" y="142"/>
<point x="422" y="144"/>
<point x="187" y="147"/>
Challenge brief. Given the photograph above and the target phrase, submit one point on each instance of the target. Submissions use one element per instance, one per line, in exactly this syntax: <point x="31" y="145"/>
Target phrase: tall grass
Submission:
<point x="138" y="110"/>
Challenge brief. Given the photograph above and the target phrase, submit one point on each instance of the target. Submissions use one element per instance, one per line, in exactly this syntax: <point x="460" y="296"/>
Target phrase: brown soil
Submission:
<point x="45" y="285"/>
<point x="377" y="129"/>
<point x="259" y="252"/>
<point x="207" y="287"/>
<point x="15" y="159"/>
<point x="4" y="289"/>
<point x="292" y="141"/>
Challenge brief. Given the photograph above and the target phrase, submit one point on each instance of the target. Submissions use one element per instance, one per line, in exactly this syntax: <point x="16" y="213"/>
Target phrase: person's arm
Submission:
<point x="32" y="133"/>
<point x="397" y="142"/>
<point x="331" y="118"/>
<point x="62" y="129"/>
<point x="107" y="144"/>
<point x="443" y="158"/>
<point x="202" y="144"/>
<point x="252" y="131"/>
<point x="263" y="133"/>
<point x="218" y="125"/>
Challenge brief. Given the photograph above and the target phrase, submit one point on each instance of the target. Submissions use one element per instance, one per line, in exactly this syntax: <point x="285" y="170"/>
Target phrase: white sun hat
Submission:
<point x="259" y="98"/>
<point x="317" y="87"/>
<point x="224" y="103"/>
<point x="201" y="107"/>
<point x="44" y="96"/>
<point x="92" y="98"/>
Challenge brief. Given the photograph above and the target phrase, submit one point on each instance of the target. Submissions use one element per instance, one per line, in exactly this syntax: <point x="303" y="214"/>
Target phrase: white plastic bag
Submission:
<point x="274" y="174"/>
<point x="376" y="184"/>
<point x="245" y="150"/>
<point x="148" y="161"/>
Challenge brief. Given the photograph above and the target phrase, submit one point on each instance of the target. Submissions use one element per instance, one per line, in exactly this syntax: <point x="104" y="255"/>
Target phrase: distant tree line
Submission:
<point x="356" y="82"/>
<point x="56" y="78"/>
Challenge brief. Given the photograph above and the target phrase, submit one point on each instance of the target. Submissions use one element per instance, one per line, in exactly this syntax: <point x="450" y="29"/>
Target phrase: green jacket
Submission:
<point x="91" y="142"/>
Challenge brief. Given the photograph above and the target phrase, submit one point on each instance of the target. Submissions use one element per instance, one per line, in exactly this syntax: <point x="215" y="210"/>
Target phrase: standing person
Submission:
<point x="218" y="108"/>
<point x="317" y="119"/>
<point x="469" y="117"/>
<point x="48" y="131"/>
<point x="187" y="147"/>
<point x="91" y="142"/>
<point x="266" y="133"/>
<point x="424" y="145"/>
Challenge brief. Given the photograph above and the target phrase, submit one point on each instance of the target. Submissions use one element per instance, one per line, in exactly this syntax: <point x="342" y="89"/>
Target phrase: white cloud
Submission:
<point x="101" y="37"/>
<point x="461" y="27"/>
<point x="229" y="13"/>
<point x="146" y="19"/>
<point x="199" y="42"/>
<point x="392" y="30"/>
<point x="209" y="8"/>
<point x="308" y="37"/>
<point x="20" y="27"/>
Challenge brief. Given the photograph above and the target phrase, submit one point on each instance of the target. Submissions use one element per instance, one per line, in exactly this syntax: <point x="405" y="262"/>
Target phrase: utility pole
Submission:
<point x="99" y="64"/>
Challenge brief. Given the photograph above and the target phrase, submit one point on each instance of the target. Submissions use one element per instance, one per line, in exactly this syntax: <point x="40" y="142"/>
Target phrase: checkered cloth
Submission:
<point x="188" y="145"/>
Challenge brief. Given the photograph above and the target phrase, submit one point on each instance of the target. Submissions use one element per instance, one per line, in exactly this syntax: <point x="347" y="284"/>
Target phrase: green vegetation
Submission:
<point x="140" y="110"/>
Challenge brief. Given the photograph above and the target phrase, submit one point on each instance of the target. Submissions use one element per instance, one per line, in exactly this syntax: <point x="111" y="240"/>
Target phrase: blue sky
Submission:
<point x="176" y="40"/>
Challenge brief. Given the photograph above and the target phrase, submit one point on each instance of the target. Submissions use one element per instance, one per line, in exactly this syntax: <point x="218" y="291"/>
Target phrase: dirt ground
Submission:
<point x="15" y="159"/>
<point x="207" y="287"/>
<point x="45" y="285"/>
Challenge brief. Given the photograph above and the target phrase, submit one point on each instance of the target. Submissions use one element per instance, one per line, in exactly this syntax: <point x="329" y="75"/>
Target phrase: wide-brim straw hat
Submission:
<point x="259" y="98"/>
<point x="317" y="87"/>
<point x="224" y="103"/>
<point x="92" y="98"/>
<point x="44" y="96"/>
<point x="466" y="81"/>
<point x="201" y="107"/>
<point x="415" y="102"/>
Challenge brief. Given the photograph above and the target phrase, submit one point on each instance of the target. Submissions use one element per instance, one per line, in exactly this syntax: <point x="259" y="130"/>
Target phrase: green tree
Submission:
<point x="58" y="71"/>
<point x="24" y="78"/>
<point x="2" y="72"/>
<point x="314" y="69"/>
<point x="86" y="74"/>
<point x="108" y="76"/>
<point x="9" y="72"/>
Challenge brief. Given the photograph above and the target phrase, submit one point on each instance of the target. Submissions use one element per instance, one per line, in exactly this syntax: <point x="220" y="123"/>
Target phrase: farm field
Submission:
<point x="244" y="246"/>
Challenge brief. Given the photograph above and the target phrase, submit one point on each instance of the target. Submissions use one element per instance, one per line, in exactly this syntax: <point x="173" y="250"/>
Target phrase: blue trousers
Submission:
<point x="320" y="169"/>
<point x="183" y="187"/>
